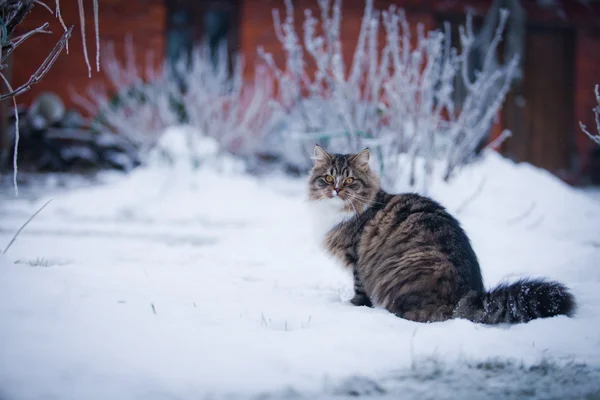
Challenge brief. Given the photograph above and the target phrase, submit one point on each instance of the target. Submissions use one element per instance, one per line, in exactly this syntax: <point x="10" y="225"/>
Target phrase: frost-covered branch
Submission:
<point x="221" y="104"/>
<point x="12" y="13"/>
<point x="596" y="137"/>
<point x="141" y="103"/>
<point x="44" y="67"/>
<point x="335" y="105"/>
<point x="129" y="104"/>
<point x="397" y="96"/>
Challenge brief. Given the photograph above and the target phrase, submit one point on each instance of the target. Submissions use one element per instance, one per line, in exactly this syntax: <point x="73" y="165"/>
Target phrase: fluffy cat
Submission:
<point x="410" y="256"/>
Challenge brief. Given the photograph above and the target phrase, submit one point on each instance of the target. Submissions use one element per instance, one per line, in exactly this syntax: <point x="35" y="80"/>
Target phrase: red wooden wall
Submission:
<point x="584" y="21"/>
<point x="144" y="19"/>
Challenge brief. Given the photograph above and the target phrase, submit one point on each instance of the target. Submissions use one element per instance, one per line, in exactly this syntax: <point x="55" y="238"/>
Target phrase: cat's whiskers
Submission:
<point x="354" y="207"/>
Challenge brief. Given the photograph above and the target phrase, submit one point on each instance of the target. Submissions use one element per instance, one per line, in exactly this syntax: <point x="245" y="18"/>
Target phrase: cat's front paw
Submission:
<point x="361" y="300"/>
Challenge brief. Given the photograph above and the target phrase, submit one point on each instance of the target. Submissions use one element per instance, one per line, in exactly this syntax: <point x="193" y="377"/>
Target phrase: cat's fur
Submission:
<point x="410" y="256"/>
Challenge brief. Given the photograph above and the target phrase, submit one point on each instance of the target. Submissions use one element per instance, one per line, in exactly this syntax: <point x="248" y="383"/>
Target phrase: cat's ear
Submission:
<point x="361" y="160"/>
<point x="321" y="156"/>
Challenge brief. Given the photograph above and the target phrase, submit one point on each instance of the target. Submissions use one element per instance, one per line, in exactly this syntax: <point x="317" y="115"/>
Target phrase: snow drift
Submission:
<point x="195" y="283"/>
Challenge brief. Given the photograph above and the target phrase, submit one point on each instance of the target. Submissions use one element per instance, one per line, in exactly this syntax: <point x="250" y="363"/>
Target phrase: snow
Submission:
<point x="183" y="145"/>
<point x="181" y="283"/>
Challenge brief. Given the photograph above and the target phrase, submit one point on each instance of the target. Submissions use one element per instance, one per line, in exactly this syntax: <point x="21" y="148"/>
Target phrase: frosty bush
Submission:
<point x="595" y="138"/>
<point x="137" y="105"/>
<point x="194" y="91"/>
<point x="395" y="97"/>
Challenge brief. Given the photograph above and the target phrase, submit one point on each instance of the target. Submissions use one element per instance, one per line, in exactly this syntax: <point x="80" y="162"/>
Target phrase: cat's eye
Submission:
<point x="349" y="181"/>
<point x="329" y="179"/>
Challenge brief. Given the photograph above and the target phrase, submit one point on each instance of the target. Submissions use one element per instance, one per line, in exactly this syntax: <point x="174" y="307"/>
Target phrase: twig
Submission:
<point x="14" y="13"/>
<point x="43" y="68"/>
<point x="17" y="136"/>
<point x="499" y="140"/>
<point x="472" y="197"/>
<point x="20" y="39"/>
<point x="19" y="15"/>
<point x="62" y="22"/>
<point x="596" y="110"/>
<point x="41" y="3"/>
<point x="595" y="138"/>
<point x="25" y="224"/>
<point x="33" y="79"/>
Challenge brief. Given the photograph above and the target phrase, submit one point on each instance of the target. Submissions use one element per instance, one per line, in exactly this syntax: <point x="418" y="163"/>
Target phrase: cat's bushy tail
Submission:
<point x="517" y="302"/>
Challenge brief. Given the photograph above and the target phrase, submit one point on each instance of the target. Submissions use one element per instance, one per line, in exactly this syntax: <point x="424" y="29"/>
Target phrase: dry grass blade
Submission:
<point x="25" y="224"/>
<point x="472" y="197"/>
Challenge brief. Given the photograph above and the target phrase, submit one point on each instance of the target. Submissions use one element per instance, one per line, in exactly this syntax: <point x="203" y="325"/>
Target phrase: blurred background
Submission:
<point x="558" y="43"/>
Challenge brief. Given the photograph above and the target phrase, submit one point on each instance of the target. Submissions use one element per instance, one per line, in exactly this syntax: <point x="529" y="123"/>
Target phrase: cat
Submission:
<point x="408" y="255"/>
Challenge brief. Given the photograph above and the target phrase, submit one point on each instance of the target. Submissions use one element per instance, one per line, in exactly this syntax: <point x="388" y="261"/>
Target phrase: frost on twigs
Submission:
<point x="12" y="13"/>
<point x="396" y="96"/>
<point x="199" y="90"/>
<point x="126" y="103"/>
<point x="594" y="137"/>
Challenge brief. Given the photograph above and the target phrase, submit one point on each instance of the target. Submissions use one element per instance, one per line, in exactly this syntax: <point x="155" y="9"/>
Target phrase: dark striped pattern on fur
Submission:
<point x="410" y="256"/>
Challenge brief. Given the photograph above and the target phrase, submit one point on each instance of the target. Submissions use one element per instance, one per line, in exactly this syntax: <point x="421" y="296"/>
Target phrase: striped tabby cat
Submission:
<point x="410" y="256"/>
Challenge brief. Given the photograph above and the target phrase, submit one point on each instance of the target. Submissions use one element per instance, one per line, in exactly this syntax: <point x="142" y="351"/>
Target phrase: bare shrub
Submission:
<point x="394" y="97"/>
<point x="195" y="91"/>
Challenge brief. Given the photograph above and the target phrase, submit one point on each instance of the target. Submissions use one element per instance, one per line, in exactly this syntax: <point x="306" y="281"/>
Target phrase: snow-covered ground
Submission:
<point x="168" y="284"/>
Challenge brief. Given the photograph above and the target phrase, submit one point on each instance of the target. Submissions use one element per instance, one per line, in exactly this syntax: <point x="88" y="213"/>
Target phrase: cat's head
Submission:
<point x="345" y="178"/>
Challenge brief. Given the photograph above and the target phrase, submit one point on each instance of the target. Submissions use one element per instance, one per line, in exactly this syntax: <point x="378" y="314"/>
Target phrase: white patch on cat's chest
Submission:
<point x="326" y="214"/>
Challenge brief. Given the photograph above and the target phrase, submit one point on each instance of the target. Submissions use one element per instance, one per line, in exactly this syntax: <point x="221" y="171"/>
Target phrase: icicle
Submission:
<point x="16" y="150"/>
<point x="82" y="23"/>
<point x="17" y="136"/>
<point x="97" y="28"/>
